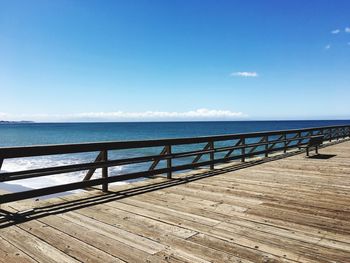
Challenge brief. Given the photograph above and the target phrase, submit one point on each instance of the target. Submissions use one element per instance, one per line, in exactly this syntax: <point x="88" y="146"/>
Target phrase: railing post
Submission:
<point x="322" y="133"/>
<point x="330" y="134"/>
<point x="285" y="143"/>
<point x="299" y="141"/>
<point x="243" y="150"/>
<point x="267" y="146"/>
<point x="1" y="162"/>
<point x="337" y="133"/>
<point x="104" y="158"/>
<point x="212" y="155"/>
<point x="169" y="161"/>
<point x="340" y="134"/>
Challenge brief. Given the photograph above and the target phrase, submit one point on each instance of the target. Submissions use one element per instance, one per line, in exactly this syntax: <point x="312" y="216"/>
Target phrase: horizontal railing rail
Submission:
<point x="232" y="147"/>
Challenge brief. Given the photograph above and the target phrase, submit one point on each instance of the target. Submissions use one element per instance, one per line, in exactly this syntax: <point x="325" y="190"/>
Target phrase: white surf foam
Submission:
<point x="19" y="164"/>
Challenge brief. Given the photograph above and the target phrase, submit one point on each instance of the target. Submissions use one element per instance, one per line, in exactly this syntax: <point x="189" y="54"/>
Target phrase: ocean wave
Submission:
<point x="19" y="164"/>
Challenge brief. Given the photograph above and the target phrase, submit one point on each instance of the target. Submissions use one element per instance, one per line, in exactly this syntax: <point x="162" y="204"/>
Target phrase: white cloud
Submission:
<point x="245" y="74"/>
<point x="199" y="114"/>
<point x="347" y="29"/>
<point x="336" y="31"/>
<point x="327" y="46"/>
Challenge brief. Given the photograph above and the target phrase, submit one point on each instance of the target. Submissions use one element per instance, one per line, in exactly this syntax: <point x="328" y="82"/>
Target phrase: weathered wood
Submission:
<point x="66" y="243"/>
<point x="199" y="156"/>
<point x="169" y="161"/>
<point x="228" y="154"/>
<point x="243" y="150"/>
<point x="281" y="139"/>
<point x="314" y="142"/>
<point x="104" y="158"/>
<point x="212" y="154"/>
<point x="294" y="138"/>
<point x="10" y="253"/>
<point x="34" y="246"/>
<point x="300" y="140"/>
<point x="294" y="209"/>
<point x="261" y="142"/>
<point x="91" y="172"/>
<point x="156" y="161"/>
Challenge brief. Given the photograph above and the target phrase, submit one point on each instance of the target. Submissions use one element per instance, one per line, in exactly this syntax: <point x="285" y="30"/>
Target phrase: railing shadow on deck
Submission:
<point x="322" y="156"/>
<point x="10" y="218"/>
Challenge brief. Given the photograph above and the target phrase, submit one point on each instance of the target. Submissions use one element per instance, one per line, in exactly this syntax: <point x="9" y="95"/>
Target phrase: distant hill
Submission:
<point x="14" y="122"/>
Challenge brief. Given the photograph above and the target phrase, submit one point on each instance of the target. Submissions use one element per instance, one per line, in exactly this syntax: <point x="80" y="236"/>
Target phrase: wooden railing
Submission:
<point x="233" y="147"/>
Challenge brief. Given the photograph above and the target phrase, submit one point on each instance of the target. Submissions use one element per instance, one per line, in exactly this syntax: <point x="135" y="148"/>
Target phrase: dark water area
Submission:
<point x="57" y="133"/>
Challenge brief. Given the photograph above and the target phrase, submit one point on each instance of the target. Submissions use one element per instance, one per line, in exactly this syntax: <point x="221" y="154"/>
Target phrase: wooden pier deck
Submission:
<point x="293" y="209"/>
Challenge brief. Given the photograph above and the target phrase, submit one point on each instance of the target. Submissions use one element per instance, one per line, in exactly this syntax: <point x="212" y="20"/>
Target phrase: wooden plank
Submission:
<point x="100" y="241"/>
<point x="288" y="210"/>
<point x="177" y="244"/>
<point x="244" y="252"/>
<point x="126" y="237"/>
<point x="190" y="238"/>
<point x="11" y="254"/>
<point x="34" y="247"/>
<point x="302" y="245"/>
<point x="67" y="244"/>
<point x="155" y="228"/>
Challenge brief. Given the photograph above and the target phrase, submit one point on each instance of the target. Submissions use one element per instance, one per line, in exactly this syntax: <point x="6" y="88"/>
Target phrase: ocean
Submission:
<point x="23" y="134"/>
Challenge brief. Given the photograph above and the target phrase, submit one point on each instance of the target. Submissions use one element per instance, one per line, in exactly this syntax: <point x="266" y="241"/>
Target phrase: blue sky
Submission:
<point x="170" y="60"/>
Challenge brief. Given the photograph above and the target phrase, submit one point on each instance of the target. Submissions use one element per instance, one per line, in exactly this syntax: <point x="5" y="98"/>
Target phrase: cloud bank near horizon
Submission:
<point x="194" y="115"/>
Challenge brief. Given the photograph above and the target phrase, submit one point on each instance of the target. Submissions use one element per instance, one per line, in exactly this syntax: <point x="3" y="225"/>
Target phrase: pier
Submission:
<point x="257" y="198"/>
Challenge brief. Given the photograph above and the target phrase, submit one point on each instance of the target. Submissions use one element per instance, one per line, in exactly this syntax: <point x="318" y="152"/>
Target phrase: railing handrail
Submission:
<point x="263" y="145"/>
<point x="52" y="149"/>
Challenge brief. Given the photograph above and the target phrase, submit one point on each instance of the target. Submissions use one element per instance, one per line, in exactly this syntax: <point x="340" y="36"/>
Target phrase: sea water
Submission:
<point x="24" y="134"/>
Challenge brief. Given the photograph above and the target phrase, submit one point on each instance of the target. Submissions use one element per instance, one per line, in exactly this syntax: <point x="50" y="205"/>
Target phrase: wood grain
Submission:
<point x="294" y="209"/>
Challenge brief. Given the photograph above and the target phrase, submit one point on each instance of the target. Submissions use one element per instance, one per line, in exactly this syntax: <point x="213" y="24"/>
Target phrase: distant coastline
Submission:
<point x="15" y="122"/>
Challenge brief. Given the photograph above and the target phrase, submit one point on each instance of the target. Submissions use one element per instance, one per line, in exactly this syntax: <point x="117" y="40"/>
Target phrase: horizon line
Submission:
<point x="168" y="121"/>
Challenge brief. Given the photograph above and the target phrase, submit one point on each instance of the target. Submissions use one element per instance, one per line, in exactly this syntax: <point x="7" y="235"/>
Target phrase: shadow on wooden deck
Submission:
<point x="322" y="156"/>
